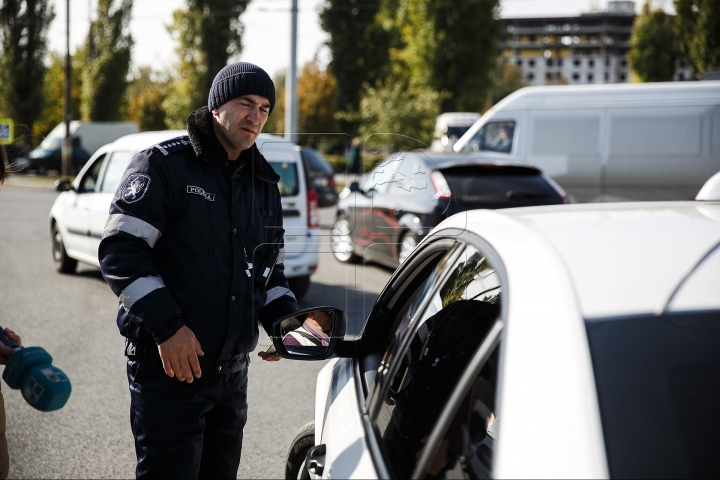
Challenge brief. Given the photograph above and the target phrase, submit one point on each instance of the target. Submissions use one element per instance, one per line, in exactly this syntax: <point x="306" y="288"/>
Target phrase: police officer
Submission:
<point x="189" y="225"/>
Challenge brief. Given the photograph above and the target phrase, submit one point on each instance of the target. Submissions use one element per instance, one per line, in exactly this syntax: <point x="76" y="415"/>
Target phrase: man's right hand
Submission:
<point x="179" y="355"/>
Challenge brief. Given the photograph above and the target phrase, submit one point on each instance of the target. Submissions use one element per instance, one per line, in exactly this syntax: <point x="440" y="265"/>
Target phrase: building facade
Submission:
<point x="586" y="49"/>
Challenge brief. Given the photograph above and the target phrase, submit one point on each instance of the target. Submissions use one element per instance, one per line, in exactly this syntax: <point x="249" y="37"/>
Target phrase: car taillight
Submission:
<point x="442" y="189"/>
<point x="312" y="209"/>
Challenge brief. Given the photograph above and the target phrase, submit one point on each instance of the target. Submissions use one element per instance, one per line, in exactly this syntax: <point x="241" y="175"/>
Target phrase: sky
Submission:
<point x="267" y="28"/>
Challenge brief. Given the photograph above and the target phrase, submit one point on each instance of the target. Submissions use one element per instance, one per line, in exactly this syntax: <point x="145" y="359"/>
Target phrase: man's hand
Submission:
<point x="179" y="355"/>
<point x="270" y="357"/>
<point x="5" y="351"/>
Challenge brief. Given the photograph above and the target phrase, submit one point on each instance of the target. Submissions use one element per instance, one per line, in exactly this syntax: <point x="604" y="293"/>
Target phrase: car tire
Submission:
<point x="42" y="170"/>
<point x="295" y="464"/>
<point x="406" y="246"/>
<point x="299" y="286"/>
<point x="63" y="263"/>
<point x="341" y="243"/>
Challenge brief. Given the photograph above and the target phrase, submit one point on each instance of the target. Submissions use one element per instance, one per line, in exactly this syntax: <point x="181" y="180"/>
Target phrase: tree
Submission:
<point x="107" y="51"/>
<point x="317" y="96"/>
<point x="53" y="90"/>
<point x="653" y="51"/>
<point x="465" y="51"/>
<point x="23" y="31"/>
<point x="276" y="122"/>
<point x="208" y="33"/>
<point x="699" y="32"/>
<point x="359" y="47"/>
<point x="506" y="79"/>
<point x="145" y="96"/>
<point x="396" y="109"/>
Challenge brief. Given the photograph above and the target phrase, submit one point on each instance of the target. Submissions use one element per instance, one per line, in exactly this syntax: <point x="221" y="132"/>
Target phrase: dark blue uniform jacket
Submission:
<point x="178" y="241"/>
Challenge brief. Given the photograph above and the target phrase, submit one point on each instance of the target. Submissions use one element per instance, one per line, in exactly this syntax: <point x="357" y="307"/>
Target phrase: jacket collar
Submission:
<point x="208" y="148"/>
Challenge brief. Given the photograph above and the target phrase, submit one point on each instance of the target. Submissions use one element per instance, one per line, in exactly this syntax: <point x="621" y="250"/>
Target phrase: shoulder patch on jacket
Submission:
<point x="173" y="145"/>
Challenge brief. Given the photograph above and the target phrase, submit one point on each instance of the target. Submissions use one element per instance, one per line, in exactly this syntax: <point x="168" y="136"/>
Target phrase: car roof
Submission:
<point x="622" y="258"/>
<point x="442" y="160"/>
<point x="143" y="140"/>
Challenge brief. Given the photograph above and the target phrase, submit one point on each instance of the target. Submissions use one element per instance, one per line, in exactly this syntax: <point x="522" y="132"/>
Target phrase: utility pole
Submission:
<point x="67" y="143"/>
<point x="291" y="103"/>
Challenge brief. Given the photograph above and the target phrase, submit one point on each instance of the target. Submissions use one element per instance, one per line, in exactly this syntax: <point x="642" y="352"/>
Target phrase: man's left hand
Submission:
<point x="269" y="357"/>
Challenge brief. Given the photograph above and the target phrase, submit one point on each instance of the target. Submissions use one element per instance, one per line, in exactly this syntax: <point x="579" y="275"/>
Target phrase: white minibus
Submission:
<point x="657" y="141"/>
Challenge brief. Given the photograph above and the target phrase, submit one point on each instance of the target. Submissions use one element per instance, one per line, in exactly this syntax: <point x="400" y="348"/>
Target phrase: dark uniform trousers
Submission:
<point x="186" y="430"/>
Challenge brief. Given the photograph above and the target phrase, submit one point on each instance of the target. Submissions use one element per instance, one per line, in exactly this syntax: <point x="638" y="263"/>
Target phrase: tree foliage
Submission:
<point x="359" y="47"/>
<point x="465" y="51"/>
<point x="23" y="32"/>
<point x="394" y="108"/>
<point x="208" y="33"/>
<point x="699" y="31"/>
<point x="653" y="51"/>
<point x="107" y="54"/>
<point x="146" y="93"/>
<point x="317" y="96"/>
<point x="53" y="91"/>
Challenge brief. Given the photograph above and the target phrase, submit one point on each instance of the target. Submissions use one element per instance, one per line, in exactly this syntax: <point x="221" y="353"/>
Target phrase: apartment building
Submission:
<point x="585" y="49"/>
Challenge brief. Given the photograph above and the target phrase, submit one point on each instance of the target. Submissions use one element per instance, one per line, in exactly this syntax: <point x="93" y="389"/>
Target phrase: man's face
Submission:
<point x="324" y="319"/>
<point x="241" y="120"/>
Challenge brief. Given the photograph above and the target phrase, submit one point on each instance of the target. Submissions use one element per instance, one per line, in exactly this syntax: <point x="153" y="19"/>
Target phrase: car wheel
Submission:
<point x="407" y="245"/>
<point x="342" y="245"/>
<point x="299" y="286"/>
<point x="304" y="440"/>
<point x="42" y="170"/>
<point x="63" y="263"/>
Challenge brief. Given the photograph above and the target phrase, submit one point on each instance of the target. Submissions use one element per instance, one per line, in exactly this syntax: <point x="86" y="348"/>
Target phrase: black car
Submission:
<point x="48" y="156"/>
<point x="408" y="194"/>
<point x="322" y="176"/>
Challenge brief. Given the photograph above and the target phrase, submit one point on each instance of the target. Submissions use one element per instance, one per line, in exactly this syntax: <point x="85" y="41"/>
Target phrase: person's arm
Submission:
<point x="5" y="351"/>
<point x="138" y="216"/>
<point x="280" y="301"/>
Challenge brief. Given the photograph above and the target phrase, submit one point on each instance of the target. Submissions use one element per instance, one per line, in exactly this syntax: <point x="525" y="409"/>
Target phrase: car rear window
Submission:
<point x="658" y="386"/>
<point x="288" y="184"/>
<point x="499" y="187"/>
<point x="316" y="162"/>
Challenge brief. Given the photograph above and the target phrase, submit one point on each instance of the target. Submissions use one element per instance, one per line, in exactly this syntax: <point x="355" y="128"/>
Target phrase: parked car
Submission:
<point x="86" y="138"/>
<point x="78" y="215"/>
<point x="651" y="141"/>
<point x="546" y="342"/>
<point x="409" y="193"/>
<point x="322" y="176"/>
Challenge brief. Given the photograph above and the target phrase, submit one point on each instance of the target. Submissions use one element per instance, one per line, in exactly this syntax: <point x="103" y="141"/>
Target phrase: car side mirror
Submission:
<point x="63" y="185"/>
<point x="354" y="187"/>
<point x="309" y="334"/>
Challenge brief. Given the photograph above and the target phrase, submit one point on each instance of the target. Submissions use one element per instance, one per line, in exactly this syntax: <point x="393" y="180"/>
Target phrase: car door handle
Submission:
<point x="290" y="213"/>
<point x="315" y="460"/>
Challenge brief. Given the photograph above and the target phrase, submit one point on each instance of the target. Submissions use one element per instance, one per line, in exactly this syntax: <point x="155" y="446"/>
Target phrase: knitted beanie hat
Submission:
<point x="241" y="78"/>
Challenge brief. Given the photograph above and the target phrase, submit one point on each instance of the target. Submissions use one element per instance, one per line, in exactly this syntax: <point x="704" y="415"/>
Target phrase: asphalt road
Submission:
<point x="73" y="318"/>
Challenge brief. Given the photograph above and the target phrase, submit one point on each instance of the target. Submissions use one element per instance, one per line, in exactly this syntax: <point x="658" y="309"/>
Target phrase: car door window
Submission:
<point x="493" y="137"/>
<point x="466" y="448"/>
<point x="409" y="178"/>
<point x="429" y="350"/>
<point x="117" y="164"/>
<point x="90" y="181"/>
<point x="379" y="179"/>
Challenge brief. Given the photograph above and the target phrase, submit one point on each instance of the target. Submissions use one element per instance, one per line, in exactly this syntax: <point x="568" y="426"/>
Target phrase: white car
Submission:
<point x="574" y="341"/>
<point x="78" y="215"/>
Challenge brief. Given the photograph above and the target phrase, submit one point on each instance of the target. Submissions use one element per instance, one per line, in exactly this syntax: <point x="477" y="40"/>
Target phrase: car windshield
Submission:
<point x="499" y="187"/>
<point x="316" y="162"/>
<point x="658" y="385"/>
<point x="288" y="184"/>
<point x="52" y="143"/>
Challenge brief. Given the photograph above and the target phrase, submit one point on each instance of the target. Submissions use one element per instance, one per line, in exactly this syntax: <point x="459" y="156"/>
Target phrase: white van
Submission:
<point x="657" y="141"/>
<point x="449" y="127"/>
<point x="78" y="216"/>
